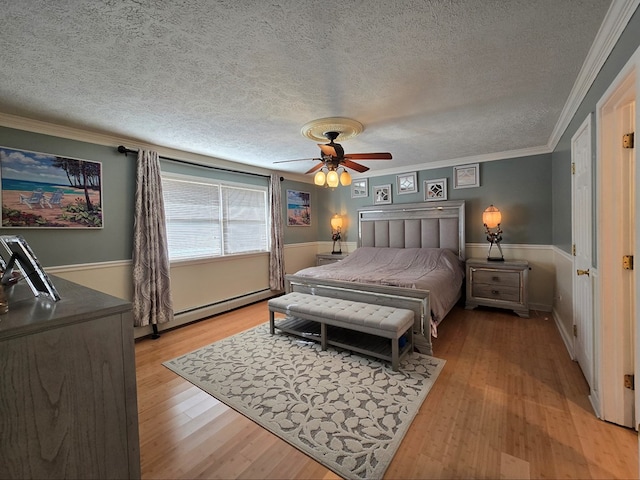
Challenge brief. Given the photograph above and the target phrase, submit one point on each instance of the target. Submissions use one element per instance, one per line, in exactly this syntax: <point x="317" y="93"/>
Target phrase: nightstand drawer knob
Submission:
<point x="495" y="279"/>
<point x="495" y="292"/>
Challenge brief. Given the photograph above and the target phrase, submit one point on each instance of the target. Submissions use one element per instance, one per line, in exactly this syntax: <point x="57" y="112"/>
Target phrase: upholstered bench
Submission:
<point x="394" y="324"/>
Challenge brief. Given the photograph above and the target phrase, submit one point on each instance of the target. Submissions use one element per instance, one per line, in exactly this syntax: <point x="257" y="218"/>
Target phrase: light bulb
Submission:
<point x="319" y="178"/>
<point x="491" y="217"/>
<point x="345" y="178"/>
<point x="332" y="179"/>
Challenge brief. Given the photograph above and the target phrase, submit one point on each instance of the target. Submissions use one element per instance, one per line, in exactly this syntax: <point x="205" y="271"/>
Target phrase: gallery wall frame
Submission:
<point x="382" y="194"/>
<point x="298" y="208"/>
<point x="406" y="183"/>
<point x="42" y="190"/>
<point x="435" y="189"/>
<point x="359" y="188"/>
<point x="466" y="176"/>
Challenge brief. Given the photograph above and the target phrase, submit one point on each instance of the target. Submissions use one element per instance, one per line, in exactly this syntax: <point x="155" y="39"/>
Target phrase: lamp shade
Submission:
<point x="345" y="178"/>
<point x="336" y="222"/>
<point x="332" y="179"/>
<point x="319" y="178"/>
<point x="491" y="217"/>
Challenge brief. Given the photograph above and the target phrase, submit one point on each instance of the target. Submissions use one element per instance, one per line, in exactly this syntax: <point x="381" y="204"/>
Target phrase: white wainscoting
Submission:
<point x="200" y="289"/>
<point x="205" y="288"/>
<point x="563" y="300"/>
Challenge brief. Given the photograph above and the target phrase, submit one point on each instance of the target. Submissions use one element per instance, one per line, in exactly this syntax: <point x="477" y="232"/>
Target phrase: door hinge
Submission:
<point x="628" y="140"/>
<point x="629" y="382"/>
<point x="575" y="330"/>
<point x="627" y="262"/>
<point x="573" y="168"/>
<point x="573" y="249"/>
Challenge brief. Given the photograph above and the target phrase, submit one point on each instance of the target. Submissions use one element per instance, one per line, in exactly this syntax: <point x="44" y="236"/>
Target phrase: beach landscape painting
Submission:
<point x="48" y="191"/>
<point x="298" y="209"/>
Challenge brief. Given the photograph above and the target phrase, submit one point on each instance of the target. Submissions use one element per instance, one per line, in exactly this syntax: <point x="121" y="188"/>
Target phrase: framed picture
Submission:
<point x="359" y="188"/>
<point x="298" y="209"/>
<point x="435" y="189"/>
<point x="407" y="183"/>
<point x="466" y="176"/>
<point x="40" y="190"/>
<point x="382" y="194"/>
<point x="20" y="255"/>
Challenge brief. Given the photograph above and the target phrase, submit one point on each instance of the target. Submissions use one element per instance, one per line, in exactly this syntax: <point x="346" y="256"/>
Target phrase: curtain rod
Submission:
<point x="125" y="150"/>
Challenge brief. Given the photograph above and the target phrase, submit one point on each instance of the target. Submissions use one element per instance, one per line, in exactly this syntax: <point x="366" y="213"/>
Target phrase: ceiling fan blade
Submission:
<point x="354" y="166"/>
<point x="299" y="160"/>
<point x="328" y="150"/>
<point x="313" y="169"/>
<point x="369" y="156"/>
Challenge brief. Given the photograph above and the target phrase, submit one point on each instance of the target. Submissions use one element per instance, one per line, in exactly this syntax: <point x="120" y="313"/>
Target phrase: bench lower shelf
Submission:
<point x="358" y="342"/>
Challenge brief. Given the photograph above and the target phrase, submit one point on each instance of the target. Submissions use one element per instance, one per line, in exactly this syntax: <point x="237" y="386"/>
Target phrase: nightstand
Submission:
<point x="498" y="284"/>
<point x="327" y="258"/>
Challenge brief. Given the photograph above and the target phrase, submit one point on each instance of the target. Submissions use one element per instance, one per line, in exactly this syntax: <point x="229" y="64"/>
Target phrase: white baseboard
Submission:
<point x="183" y="318"/>
<point x="567" y="337"/>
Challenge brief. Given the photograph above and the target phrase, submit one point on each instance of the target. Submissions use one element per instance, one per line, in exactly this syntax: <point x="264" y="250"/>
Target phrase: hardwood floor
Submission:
<point x="509" y="403"/>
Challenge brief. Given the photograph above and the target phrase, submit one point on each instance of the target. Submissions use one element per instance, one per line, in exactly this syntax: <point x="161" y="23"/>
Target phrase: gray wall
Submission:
<point x="561" y="157"/>
<point x="55" y="247"/>
<point x="519" y="187"/>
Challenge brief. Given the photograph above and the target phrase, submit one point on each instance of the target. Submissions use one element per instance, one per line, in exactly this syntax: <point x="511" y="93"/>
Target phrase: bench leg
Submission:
<point x="323" y="336"/>
<point x="272" y="323"/>
<point x="395" y="349"/>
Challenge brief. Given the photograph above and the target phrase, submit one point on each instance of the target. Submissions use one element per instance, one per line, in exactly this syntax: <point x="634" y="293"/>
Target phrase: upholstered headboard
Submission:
<point x="414" y="225"/>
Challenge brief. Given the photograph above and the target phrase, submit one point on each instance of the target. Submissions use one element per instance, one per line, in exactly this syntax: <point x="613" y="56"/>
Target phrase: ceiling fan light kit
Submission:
<point x="332" y="154"/>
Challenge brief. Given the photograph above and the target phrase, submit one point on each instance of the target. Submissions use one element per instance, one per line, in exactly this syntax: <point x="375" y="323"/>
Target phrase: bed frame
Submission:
<point x="413" y="225"/>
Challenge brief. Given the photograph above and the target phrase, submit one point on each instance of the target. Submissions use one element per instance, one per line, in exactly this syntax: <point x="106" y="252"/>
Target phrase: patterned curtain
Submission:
<point x="276" y="256"/>
<point x="152" y="303"/>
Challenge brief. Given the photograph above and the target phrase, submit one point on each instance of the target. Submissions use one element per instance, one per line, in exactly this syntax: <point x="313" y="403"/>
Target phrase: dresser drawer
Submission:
<point x="496" y="292"/>
<point x="496" y="277"/>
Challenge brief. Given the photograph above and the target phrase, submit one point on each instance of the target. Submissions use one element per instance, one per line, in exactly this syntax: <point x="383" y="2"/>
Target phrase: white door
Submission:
<point x="616" y="238"/>
<point x="581" y="215"/>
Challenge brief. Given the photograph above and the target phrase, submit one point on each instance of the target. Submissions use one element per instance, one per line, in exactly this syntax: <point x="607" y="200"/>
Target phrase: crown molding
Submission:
<point x="71" y="133"/>
<point x="614" y="23"/>
<point x="490" y="157"/>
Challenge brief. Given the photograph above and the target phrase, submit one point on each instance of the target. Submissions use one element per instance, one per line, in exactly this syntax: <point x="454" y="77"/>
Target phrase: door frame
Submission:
<point x="610" y="341"/>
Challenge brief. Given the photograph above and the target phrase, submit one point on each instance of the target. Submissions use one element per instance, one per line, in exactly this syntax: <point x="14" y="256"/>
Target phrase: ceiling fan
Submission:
<point x="333" y="157"/>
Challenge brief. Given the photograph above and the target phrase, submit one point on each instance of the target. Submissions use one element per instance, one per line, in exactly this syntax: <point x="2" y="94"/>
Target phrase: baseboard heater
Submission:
<point x="205" y="311"/>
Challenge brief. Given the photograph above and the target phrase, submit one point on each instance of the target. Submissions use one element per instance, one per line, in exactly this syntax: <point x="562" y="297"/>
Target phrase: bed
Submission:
<point x="408" y="256"/>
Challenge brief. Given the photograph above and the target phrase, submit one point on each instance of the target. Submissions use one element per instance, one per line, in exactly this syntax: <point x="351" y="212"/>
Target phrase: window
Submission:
<point x="209" y="218"/>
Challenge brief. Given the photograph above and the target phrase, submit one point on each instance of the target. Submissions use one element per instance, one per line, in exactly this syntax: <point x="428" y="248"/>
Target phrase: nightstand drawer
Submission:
<point x="503" y="284"/>
<point x="496" y="277"/>
<point x="327" y="258"/>
<point x="496" y="292"/>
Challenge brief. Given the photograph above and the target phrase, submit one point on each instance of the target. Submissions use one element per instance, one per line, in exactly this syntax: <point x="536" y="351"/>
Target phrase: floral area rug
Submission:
<point x="346" y="411"/>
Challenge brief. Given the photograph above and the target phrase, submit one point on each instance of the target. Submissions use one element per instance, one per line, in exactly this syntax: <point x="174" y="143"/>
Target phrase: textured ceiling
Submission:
<point x="430" y="81"/>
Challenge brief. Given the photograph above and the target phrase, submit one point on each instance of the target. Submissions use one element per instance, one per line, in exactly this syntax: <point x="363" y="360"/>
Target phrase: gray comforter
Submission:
<point x="438" y="270"/>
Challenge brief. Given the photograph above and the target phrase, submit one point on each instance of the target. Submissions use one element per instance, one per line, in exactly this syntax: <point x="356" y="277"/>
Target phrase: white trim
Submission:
<point x="452" y="162"/>
<point x="614" y="23"/>
<point x="558" y="251"/>
<point x="45" y="128"/>
<point x="87" y="266"/>
<point x="201" y="313"/>
<point x="609" y="351"/>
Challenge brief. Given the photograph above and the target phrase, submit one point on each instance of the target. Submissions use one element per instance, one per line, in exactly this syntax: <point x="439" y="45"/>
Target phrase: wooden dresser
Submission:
<point x="67" y="386"/>
<point x="498" y="284"/>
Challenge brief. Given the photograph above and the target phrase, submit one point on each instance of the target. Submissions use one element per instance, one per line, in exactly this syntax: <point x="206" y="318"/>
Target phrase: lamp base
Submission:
<point x="339" y="252"/>
<point x="495" y="259"/>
